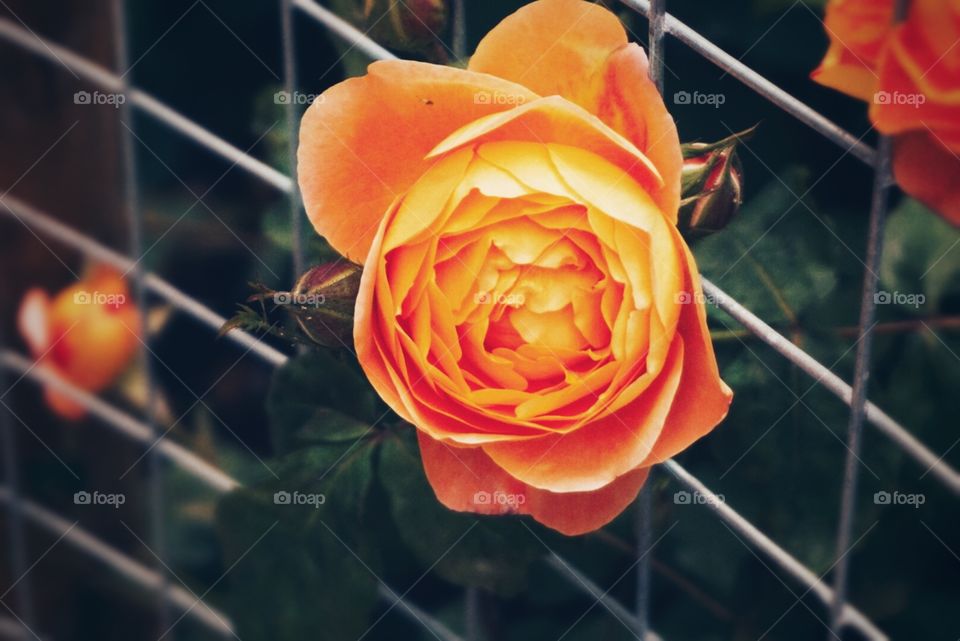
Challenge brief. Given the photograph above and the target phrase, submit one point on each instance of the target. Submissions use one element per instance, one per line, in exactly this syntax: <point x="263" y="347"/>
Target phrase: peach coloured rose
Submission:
<point x="526" y="301"/>
<point x="87" y="333"/>
<point x="910" y="73"/>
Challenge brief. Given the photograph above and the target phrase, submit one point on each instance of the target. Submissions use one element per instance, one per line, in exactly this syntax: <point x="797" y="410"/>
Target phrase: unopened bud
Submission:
<point x="322" y="302"/>
<point x="712" y="185"/>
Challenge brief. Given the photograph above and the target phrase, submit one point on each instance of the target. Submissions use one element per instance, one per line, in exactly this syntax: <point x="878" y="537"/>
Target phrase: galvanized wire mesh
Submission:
<point x="183" y="603"/>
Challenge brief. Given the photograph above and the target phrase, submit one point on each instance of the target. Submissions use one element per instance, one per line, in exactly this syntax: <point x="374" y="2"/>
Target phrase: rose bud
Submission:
<point x="322" y="302"/>
<point x="88" y="334"/>
<point x="413" y="26"/>
<point x="712" y="184"/>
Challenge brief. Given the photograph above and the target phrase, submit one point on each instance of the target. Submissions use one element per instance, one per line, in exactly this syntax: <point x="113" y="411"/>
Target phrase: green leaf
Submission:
<point x="320" y="396"/>
<point x="921" y="255"/>
<point x="767" y="258"/>
<point x="301" y="548"/>
<point x="493" y="553"/>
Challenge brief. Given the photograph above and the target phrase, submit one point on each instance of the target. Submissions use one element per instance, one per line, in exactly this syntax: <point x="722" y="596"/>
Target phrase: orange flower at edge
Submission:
<point x="87" y="334"/>
<point x="522" y="295"/>
<point x="910" y="75"/>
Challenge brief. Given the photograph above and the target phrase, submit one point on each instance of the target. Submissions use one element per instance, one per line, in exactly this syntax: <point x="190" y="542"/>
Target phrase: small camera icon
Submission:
<point x="281" y="498"/>
<point x="881" y="498"/>
<point x="882" y="98"/>
<point x="82" y="98"/>
<point x="684" y="298"/>
<point x="481" y="498"/>
<point x="482" y="298"/>
<point x="81" y="298"/>
<point x="682" y="98"/>
<point x="281" y="98"/>
<point x="882" y="298"/>
<point x="682" y="498"/>
<point x="81" y="498"/>
<point x="482" y="98"/>
<point x="282" y="298"/>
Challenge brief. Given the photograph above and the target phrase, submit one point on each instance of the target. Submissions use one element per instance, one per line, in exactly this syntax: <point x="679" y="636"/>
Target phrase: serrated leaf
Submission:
<point x="320" y="395"/>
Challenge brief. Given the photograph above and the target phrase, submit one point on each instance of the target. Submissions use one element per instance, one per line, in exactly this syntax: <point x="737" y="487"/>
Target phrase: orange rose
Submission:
<point x="526" y="301"/>
<point x="87" y="333"/>
<point x="911" y="75"/>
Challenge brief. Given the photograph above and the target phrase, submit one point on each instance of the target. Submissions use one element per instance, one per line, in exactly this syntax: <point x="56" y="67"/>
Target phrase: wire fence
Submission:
<point x="176" y="601"/>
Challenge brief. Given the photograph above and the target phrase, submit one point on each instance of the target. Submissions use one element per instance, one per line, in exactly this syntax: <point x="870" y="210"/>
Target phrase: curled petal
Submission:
<point x="363" y="141"/>
<point x="579" y="51"/>
<point x="466" y="480"/>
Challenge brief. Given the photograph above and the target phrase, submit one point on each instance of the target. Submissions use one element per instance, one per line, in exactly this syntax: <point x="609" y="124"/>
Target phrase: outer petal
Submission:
<point x="929" y="172"/>
<point x="919" y="74"/>
<point x="363" y="142"/>
<point x="551" y="46"/>
<point x="702" y="398"/>
<point x="33" y="321"/>
<point x="467" y="480"/>
<point x="579" y="50"/>
<point x="858" y="30"/>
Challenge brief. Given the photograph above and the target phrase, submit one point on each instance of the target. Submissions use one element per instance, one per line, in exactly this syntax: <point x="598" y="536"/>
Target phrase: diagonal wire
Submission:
<point x="768" y="90"/>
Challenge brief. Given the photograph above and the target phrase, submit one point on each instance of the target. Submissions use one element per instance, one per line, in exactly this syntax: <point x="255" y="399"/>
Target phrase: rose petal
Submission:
<point x="595" y="454"/>
<point x="579" y="50"/>
<point x="929" y="172"/>
<point x="363" y="141"/>
<point x="457" y="475"/>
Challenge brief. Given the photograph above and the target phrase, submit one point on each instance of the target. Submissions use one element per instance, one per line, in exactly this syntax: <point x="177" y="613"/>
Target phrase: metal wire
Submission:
<point x="783" y="559"/>
<point x="882" y="182"/>
<point x="792" y="105"/>
<point x="109" y="81"/>
<point x="823" y="376"/>
<point x="122" y="423"/>
<point x="858" y="397"/>
<point x="644" y="518"/>
<point x="22" y="586"/>
<point x="139" y="432"/>
<point x="132" y="210"/>
<point x="221" y="482"/>
<point x="111" y="558"/>
<point x="343" y="30"/>
<point x="290" y="87"/>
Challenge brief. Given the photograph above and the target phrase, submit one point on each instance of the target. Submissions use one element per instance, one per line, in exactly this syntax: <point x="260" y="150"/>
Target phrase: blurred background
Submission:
<point x="793" y="256"/>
